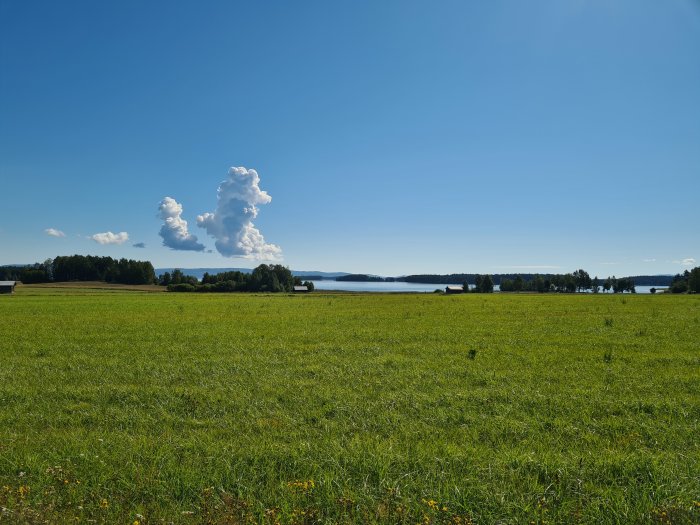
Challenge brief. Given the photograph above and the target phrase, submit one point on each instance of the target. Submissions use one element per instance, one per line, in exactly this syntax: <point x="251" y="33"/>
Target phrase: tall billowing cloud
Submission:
<point x="232" y="222"/>
<point x="110" y="238"/>
<point x="174" y="230"/>
<point x="53" y="232"/>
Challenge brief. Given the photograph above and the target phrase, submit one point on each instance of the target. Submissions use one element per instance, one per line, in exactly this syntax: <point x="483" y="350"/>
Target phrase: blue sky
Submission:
<point x="393" y="137"/>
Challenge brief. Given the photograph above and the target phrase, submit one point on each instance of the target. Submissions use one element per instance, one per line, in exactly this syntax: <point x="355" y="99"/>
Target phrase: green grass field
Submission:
<point x="124" y="407"/>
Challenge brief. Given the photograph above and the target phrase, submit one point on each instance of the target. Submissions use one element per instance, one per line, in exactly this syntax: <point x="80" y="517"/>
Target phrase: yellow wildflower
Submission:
<point x="431" y="503"/>
<point x="301" y="486"/>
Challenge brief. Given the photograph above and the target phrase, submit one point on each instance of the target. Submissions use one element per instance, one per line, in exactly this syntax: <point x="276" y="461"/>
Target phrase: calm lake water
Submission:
<point x="347" y="286"/>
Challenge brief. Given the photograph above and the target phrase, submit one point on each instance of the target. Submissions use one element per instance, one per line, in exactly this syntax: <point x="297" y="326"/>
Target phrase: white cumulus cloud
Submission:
<point x="110" y="238"/>
<point x="231" y="224"/>
<point x="53" y="232"/>
<point x="688" y="262"/>
<point x="174" y="230"/>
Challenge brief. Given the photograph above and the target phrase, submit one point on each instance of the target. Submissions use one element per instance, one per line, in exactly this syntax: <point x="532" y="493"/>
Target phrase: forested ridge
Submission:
<point x="82" y="268"/>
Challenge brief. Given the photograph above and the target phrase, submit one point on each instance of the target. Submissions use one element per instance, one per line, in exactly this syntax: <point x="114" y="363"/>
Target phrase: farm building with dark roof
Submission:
<point x="7" y="286"/>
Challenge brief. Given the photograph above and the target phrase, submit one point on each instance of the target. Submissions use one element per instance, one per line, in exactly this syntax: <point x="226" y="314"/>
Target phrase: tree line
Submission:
<point x="578" y="281"/>
<point x="499" y="278"/>
<point x="277" y="278"/>
<point x="264" y="278"/>
<point x="82" y="268"/>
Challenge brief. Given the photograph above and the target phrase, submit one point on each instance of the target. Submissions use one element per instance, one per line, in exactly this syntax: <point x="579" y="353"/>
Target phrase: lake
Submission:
<point x="396" y="286"/>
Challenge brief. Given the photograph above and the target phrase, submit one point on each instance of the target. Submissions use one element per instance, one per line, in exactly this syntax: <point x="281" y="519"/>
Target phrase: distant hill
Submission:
<point x="652" y="280"/>
<point x="360" y="278"/>
<point x="199" y="272"/>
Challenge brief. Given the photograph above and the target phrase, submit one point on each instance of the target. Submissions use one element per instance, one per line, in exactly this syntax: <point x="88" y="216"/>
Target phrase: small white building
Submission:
<point x="301" y="289"/>
<point x="454" y="289"/>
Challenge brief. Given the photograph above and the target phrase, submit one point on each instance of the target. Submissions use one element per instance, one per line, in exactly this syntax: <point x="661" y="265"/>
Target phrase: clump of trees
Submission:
<point x="686" y="282"/>
<point x="177" y="277"/>
<point x="482" y="284"/>
<point x="624" y="284"/>
<point x="264" y="278"/>
<point x="94" y="268"/>
<point x="82" y="268"/>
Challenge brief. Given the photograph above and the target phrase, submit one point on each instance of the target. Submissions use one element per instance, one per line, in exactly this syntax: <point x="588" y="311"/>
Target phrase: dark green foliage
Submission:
<point x="10" y="273"/>
<point x="264" y="278"/>
<point x="569" y="283"/>
<point x="271" y="278"/>
<point x="641" y="280"/>
<point x="507" y="285"/>
<point x="484" y="284"/>
<point x="625" y="284"/>
<point x="360" y="278"/>
<point x="688" y="281"/>
<point x="583" y="280"/>
<point x="181" y="287"/>
<point x="694" y="280"/>
<point x="678" y="286"/>
<point x="178" y="277"/>
<point x="82" y="268"/>
<point x="607" y="285"/>
<point x="309" y="285"/>
<point x="35" y="273"/>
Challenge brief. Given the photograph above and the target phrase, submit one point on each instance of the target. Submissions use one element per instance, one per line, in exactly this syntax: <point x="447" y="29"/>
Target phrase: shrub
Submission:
<point x="182" y="287"/>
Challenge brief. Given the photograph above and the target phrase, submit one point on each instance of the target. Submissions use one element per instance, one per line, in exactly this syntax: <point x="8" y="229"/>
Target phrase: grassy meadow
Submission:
<point x="134" y="407"/>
